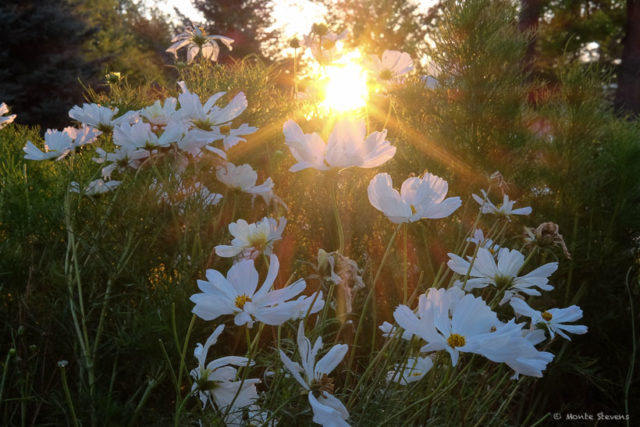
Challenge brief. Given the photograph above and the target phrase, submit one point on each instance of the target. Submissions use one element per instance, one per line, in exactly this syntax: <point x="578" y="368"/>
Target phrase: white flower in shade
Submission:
<point x="243" y="178"/>
<point x="430" y="82"/>
<point x="411" y="371"/>
<point x="217" y="380"/>
<point x="250" y="240"/>
<point x="323" y="44"/>
<point x="95" y="187"/>
<point x="389" y="331"/>
<point x="505" y="209"/>
<point x="457" y="322"/>
<point x="100" y="117"/>
<point x="314" y="377"/>
<point x="159" y="114"/>
<point x="122" y="158"/>
<point x="418" y="198"/>
<point x="5" y="120"/>
<point x="196" y="40"/>
<point x="185" y="191"/>
<point x="392" y="65"/>
<point x="503" y="273"/>
<point x="59" y="144"/>
<point x="553" y="319"/>
<point x="238" y="295"/>
<point x="347" y="146"/>
<point x="479" y="240"/>
<point x="515" y="347"/>
<point x="140" y="136"/>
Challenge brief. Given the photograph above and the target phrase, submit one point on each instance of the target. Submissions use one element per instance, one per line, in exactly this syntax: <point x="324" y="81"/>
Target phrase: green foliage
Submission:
<point x="104" y="282"/>
<point x="42" y="60"/>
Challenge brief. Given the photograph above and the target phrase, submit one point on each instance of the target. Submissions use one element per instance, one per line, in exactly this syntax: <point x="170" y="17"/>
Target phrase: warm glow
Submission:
<point x="346" y="85"/>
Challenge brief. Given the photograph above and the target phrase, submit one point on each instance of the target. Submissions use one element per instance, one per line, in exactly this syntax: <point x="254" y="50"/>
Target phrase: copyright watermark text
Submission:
<point x="588" y="416"/>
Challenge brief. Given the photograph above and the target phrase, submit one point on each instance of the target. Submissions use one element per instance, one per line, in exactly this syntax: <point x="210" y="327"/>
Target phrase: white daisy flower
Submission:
<point x="217" y="381"/>
<point x="5" y="120"/>
<point x="419" y="198"/>
<point x="252" y="239"/>
<point x="457" y="322"/>
<point x="59" y="144"/>
<point x="314" y="377"/>
<point x="95" y="187"/>
<point x="505" y="209"/>
<point x="243" y="178"/>
<point x="101" y="117"/>
<point x="238" y="295"/>
<point x="159" y="114"/>
<point x="392" y="65"/>
<point x="553" y="319"/>
<point x="411" y="371"/>
<point x="323" y="44"/>
<point x="347" y="146"/>
<point x="503" y="273"/>
<point x="196" y="40"/>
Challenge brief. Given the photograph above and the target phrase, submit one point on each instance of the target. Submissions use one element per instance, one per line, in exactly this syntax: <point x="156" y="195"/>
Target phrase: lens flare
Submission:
<point x="346" y="88"/>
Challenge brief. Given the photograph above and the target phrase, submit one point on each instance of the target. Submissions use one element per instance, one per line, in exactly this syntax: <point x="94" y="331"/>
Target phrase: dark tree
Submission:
<point x="628" y="93"/>
<point x="378" y="25"/>
<point x="41" y="60"/>
<point x="245" y="21"/>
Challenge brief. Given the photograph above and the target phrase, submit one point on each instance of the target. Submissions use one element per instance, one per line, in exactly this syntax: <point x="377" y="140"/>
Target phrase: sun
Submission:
<point x="346" y="85"/>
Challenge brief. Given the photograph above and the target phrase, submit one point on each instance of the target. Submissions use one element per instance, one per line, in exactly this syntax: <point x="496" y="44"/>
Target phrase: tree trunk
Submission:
<point x="530" y="11"/>
<point x="628" y="94"/>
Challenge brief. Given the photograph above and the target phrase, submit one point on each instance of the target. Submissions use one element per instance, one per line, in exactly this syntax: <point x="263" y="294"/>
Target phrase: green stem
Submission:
<point x="67" y="395"/>
<point x="370" y="295"/>
<point x="405" y="264"/>
<point x="336" y="214"/>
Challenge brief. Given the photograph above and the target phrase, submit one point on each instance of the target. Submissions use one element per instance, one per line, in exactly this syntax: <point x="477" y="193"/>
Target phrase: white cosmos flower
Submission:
<point x="158" y="114"/>
<point x="95" y="187"/>
<point x="324" y="47"/>
<point x="186" y="191"/>
<point x="505" y="209"/>
<point x="238" y="295"/>
<point x="5" y="120"/>
<point x="392" y="65"/>
<point x="243" y="178"/>
<point x="553" y="318"/>
<point x="122" y="158"/>
<point x="456" y="322"/>
<point x="59" y="144"/>
<point x="217" y="380"/>
<point x="231" y="137"/>
<point x="419" y="198"/>
<point x="504" y="274"/>
<point x="314" y="377"/>
<point x="209" y="115"/>
<point x="478" y="239"/>
<point x="196" y="40"/>
<point x="101" y="117"/>
<point x="411" y="371"/>
<point x="347" y="146"/>
<point x="389" y="331"/>
<point x="252" y="239"/>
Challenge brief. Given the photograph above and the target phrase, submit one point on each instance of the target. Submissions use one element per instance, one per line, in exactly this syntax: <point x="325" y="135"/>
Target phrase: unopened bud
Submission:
<point x="294" y="43"/>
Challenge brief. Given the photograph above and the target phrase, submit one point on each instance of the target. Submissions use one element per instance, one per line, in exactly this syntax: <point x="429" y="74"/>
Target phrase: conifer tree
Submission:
<point x="245" y="21"/>
<point x="41" y="60"/>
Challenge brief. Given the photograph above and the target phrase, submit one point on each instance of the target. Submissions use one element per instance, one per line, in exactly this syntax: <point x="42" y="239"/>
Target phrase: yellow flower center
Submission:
<point x="241" y="300"/>
<point x="328" y="44"/>
<point x="456" y="340"/>
<point x="547" y="316"/>
<point x="258" y="241"/>
<point x="386" y="75"/>
<point x="413" y="209"/>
